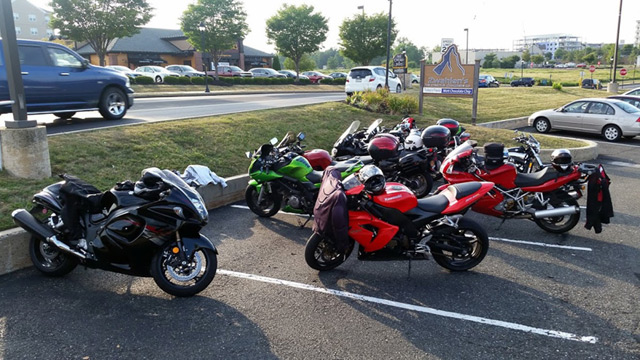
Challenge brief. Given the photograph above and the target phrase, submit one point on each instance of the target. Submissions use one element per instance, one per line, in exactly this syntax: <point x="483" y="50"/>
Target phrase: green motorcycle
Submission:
<point x="282" y="179"/>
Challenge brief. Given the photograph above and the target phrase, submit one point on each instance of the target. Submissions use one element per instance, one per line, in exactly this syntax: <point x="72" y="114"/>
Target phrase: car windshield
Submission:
<point x="271" y="71"/>
<point x="188" y="68"/>
<point x="120" y="68"/>
<point x="628" y="108"/>
<point x="235" y="68"/>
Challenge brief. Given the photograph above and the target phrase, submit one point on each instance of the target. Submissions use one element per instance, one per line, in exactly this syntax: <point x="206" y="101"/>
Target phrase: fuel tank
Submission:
<point x="397" y="196"/>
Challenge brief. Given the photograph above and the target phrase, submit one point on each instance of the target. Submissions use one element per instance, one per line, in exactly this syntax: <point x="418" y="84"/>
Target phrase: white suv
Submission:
<point x="364" y="78"/>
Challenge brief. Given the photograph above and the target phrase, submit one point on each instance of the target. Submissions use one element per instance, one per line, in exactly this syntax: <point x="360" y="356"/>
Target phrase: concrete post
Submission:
<point x="612" y="87"/>
<point x="25" y="152"/>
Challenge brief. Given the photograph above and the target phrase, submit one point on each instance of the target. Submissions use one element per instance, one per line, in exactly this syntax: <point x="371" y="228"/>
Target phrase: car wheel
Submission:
<point x="65" y="115"/>
<point x="113" y="104"/>
<point x="542" y="125"/>
<point x="378" y="87"/>
<point x="349" y="94"/>
<point x="158" y="79"/>
<point x="398" y="89"/>
<point x="611" y="133"/>
<point x="414" y="82"/>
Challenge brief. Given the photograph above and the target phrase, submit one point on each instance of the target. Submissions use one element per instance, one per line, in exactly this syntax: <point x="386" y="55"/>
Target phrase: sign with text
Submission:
<point x="445" y="43"/>
<point x="450" y="77"/>
<point x="400" y="64"/>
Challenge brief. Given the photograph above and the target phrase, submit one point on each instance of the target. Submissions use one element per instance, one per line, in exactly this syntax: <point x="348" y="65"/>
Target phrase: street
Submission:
<point x="147" y="110"/>
<point x="535" y="296"/>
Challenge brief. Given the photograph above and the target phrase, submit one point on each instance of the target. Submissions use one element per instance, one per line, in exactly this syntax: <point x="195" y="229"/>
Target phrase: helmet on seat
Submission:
<point x="450" y="124"/>
<point x="436" y="136"/>
<point x="561" y="159"/>
<point x="413" y="141"/>
<point x="373" y="179"/>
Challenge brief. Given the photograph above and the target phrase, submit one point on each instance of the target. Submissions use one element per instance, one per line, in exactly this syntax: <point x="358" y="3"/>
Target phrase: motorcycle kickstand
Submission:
<point x="409" y="270"/>
<point x="305" y="223"/>
<point x="502" y="222"/>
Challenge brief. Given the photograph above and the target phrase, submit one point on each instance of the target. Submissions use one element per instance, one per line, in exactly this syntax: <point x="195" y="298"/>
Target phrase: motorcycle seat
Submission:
<point x="433" y="204"/>
<point x="315" y="176"/>
<point x="464" y="189"/>
<point x="536" y="178"/>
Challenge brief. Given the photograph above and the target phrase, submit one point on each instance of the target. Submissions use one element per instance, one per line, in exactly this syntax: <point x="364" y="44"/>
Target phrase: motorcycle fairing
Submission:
<point x="193" y="244"/>
<point x="461" y="195"/>
<point x="360" y="229"/>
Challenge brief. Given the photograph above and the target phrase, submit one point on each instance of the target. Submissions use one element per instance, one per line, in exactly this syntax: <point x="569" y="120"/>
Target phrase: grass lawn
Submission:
<point x="104" y="157"/>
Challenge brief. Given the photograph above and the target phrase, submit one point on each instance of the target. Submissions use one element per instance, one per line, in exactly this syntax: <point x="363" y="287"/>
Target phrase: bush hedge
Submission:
<point x="144" y="80"/>
<point x="381" y="101"/>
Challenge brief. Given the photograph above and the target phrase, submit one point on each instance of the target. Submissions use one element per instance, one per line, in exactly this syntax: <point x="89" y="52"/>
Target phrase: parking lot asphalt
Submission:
<point x="535" y="296"/>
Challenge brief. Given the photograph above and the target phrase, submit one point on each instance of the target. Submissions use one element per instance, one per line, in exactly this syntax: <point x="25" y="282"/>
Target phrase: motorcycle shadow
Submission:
<point x="289" y="227"/>
<point x="479" y="295"/>
<point x="93" y="314"/>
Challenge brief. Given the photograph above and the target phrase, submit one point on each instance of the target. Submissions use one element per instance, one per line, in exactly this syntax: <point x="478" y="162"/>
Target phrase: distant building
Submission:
<point x="477" y="54"/>
<point x="153" y="46"/>
<point x="637" y="42"/>
<point x="31" y="21"/>
<point x="548" y="43"/>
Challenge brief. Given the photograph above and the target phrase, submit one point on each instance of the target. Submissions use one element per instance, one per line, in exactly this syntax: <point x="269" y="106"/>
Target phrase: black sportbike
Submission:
<point x="150" y="228"/>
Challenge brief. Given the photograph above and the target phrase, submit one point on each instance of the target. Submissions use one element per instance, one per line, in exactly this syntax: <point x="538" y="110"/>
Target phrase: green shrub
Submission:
<point x="144" y="80"/>
<point x="304" y="81"/>
<point x="375" y="101"/>
<point x="337" y="81"/>
<point x="171" y="80"/>
<point x="401" y="105"/>
<point x="557" y="86"/>
<point x="184" y="80"/>
<point x="199" y="80"/>
<point x="132" y="80"/>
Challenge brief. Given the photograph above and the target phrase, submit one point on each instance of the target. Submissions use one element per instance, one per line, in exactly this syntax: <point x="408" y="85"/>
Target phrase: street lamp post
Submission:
<point x="386" y="74"/>
<point x="202" y="28"/>
<point x="466" y="60"/>
<point x="361" y="7"/>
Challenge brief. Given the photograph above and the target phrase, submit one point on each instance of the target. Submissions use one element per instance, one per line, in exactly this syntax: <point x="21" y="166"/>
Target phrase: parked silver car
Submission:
<point x="266" y="72"/>
<point x="184" y="70"/>
<point x="610" y="117"/>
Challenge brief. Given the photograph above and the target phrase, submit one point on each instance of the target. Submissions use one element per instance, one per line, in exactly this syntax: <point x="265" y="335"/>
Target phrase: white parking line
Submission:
<point x="541" y="244"/>
<point x="622" y="164"/>
<point x="491" y="238"/>
<point x="423" y="309"/>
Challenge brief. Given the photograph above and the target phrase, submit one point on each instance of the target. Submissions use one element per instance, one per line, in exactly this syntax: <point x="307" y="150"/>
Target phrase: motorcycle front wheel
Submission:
<point x="560" y="224"/>
<point x="470" y="238"/>
<point x="269" y="205"/>
<point x="183" y="279"/>
<point x="50" y="260"/>
<point x="321" y="254"/>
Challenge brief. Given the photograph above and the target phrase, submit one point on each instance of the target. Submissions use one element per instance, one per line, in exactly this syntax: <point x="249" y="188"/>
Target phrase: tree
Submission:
<point x="224" y="23"/>
<point x="276" y="63"/>
<point x="560" y="54"/>
<point x="306" y="63"/>
<point x="413" y="52"/>
<point x="99" y="22"/>
<point x="537" y="59"/>
<point x="526" y="56"/>
<point x="491" y="61"/>
<point x="510" y="62"/>
<point x="296" y="31"/>
<point x="548" y="55"/>
<point x="589" y="58"/>
<point x="362" y="37"/>
<point x="334" y="62"/>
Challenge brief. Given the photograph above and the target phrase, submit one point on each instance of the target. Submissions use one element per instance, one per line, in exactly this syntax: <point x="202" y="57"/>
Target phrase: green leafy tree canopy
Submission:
<point x="296" y="31"/>
<point x="224" y="24"/>
<point x="362" y="37"/>
<point x="306" y="63"/>
<point x="99" y="22"/>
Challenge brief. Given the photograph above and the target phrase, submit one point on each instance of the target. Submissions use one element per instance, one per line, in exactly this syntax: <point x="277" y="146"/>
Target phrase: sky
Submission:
<point x="492" y="24"/>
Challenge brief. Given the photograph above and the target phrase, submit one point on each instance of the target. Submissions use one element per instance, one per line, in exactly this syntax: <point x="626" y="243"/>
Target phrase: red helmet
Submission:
<point x="383" y="146"/>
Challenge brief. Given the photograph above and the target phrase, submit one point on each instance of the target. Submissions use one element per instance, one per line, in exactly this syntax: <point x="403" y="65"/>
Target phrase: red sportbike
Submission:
<point x="390" y="223"/>
<point x="547" y="197"/>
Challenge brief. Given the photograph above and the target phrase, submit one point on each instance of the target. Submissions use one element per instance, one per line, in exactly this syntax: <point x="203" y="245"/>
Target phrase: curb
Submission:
<point x="221" y="93"/>
<point x="14" y="243"/>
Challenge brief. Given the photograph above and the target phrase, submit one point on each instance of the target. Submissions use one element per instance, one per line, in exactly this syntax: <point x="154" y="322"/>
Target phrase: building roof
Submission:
<point x="157" y="41"/>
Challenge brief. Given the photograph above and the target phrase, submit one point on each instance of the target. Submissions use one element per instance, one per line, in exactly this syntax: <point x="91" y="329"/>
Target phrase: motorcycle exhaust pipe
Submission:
<point x="26" y="221"/>
<point x="565" y="210"/>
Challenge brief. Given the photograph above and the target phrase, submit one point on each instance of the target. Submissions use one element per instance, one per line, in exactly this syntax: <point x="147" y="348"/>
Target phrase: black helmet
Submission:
<point x="436" y="136"/>
<point x="373" y="179"/>
<point x="450" y="124"/>
<point x="561" y="159"/>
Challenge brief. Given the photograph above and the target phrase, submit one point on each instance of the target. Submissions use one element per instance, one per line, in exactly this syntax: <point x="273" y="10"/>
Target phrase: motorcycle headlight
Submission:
<point x="202" y="210"/>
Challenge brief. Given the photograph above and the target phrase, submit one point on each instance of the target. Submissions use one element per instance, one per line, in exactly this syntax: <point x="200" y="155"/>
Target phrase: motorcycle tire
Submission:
<point x="320" y="253"/>
<point x="50" y="260"/>
<point x="183" y="280"/>
<point x="556" y="224"/>
<point x="469" y="235"/>
<point x="270" y="204"/>
<point x="421" y="184"/>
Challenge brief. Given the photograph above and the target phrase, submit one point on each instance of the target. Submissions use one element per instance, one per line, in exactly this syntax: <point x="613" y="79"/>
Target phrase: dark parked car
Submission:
<point x="337" y="75"/>
<point x="487" y="81"/>
<point x="292" y="74"/>
<point x="591" y="84"/>
<point x="630" y="99"/>
<point x="57" y="80"/>
<point x="525" y="81"/>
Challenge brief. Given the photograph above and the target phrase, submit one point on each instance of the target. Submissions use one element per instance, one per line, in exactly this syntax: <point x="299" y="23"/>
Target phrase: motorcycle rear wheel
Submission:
<point x="183" y="280"/>
<point x="50" y="260"/>
<point x="560" y="224"/>
<point x="424" y="184"/>
<point x="269" y="206"/>
<point x="471" y="236"/>
<point x="320" y="253"/>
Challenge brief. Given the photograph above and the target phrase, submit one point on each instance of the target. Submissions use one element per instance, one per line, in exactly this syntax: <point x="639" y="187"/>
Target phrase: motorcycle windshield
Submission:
<point x="374" y="125"/>
<point x="465" y="146"/>
<point x="350" y="130"/>
<point x="289" y="138"/>
<point x="173" y="180"/>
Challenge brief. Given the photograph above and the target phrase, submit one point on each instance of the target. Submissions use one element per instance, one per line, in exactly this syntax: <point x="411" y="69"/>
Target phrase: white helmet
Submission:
<point x="413" y="141"/>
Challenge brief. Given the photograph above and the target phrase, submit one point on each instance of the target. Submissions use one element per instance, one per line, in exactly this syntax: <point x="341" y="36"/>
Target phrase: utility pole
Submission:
<point x="386" y="74"/>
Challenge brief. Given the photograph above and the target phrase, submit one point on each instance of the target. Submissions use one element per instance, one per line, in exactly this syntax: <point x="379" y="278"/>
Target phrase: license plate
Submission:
<point x="358" y="80"/>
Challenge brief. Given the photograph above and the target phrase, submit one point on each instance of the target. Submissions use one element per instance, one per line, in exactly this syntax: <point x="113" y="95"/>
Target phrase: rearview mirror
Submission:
<point x="249" y="154"/>
<point x="301" y="136"/>
<point x="273" y="141"/>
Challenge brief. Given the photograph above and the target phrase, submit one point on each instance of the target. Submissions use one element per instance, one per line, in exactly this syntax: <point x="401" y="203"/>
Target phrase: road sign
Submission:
<point x="592" y="68"/>
<point x="623" y="71"/>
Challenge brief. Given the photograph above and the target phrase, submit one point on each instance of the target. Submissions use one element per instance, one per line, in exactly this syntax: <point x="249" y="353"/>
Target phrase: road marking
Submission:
<point x="622" y="163"/>
<point x="491" y="238"/>
<point x="423" y="309"/>
<point x="541" y="244"/>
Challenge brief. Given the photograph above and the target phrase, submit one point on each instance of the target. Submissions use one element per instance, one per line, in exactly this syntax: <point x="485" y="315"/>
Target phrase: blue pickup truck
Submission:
<point x="57" y="80"/>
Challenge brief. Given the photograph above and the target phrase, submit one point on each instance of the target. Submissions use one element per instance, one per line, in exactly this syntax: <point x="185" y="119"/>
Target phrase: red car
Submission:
<point x="316" y="76"/>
